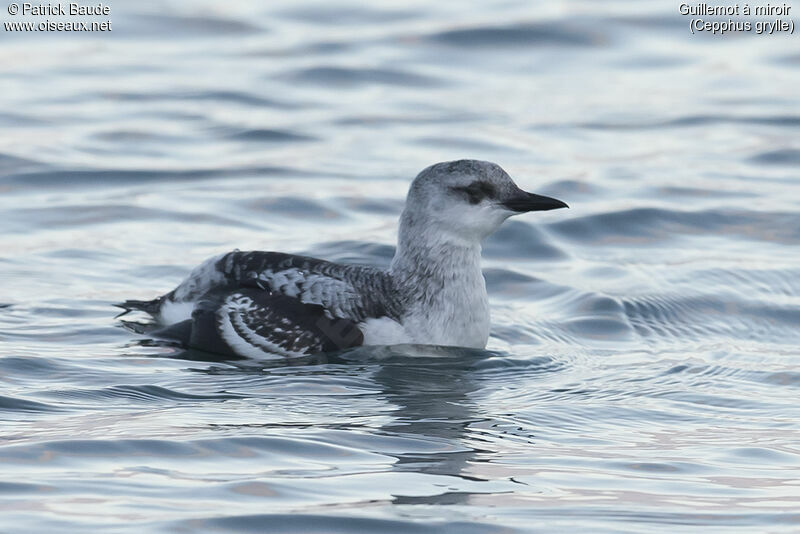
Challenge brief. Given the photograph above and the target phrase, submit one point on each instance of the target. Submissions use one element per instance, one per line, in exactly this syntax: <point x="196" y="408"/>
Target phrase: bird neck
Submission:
<point x="424" y="253"/>
<point x="441" y="280"/>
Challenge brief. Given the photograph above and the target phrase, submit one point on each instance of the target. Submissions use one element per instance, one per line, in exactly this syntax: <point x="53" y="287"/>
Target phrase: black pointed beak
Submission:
<point x="524" y="201"/>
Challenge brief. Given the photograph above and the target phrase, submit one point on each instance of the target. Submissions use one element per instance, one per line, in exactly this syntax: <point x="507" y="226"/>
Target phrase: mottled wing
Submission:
<point x="261" y="324"/>
<point x="342" y="290"/>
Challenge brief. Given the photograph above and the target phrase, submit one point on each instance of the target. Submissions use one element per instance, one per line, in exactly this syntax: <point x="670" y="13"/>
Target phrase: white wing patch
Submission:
<point x="286" y="282"/>
<point x="336" y="296"/>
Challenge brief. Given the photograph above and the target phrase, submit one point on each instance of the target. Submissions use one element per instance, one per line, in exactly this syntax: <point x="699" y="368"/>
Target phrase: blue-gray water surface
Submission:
<point x="642" y="373"/>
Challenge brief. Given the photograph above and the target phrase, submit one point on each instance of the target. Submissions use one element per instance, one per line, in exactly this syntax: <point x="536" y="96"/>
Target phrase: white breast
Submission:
<point x="461" y="322"/>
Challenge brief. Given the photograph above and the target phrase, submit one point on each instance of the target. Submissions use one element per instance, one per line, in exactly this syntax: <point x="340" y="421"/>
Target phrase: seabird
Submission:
<point x="272" y="305"/>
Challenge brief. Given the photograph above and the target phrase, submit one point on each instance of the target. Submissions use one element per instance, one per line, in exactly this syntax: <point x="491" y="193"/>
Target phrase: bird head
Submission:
<point x="468" y="200"/>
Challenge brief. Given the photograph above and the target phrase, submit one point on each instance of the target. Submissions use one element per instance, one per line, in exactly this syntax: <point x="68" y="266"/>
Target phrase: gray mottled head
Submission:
<point x="466" y="200"/>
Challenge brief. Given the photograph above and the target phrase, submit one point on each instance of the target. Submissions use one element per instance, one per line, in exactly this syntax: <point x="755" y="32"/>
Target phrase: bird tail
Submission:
<point x="147" y="306"/>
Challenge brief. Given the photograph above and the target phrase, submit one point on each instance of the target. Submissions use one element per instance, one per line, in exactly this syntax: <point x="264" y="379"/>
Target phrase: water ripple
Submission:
<point x="648" y="226"/>
<point x="347" y="77"/>
<point x="529" y="34"/>
<point x="270" y="136"/>
<point x="334" y="524"/>
<point x="129" y="394"/>
<point x="21" y="405"/>
<point x="786" y="156"/>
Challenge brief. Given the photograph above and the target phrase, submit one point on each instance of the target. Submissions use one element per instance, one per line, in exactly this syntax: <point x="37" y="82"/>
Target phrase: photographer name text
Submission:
<point x="71" y="9"/>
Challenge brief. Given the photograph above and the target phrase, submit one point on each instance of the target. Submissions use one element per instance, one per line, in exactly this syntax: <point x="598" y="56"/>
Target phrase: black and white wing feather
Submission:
<point x="257" y="304"/>
<point x="256" y="323"/>
<point x="344" y="291"/>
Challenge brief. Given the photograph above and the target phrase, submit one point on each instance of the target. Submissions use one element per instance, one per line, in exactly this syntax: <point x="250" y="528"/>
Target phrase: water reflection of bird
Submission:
<point x="431" y="389"/>
<point x="267" y="304"/>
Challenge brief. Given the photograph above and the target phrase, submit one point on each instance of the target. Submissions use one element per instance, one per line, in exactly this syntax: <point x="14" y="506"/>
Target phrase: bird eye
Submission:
<point x="487" y="188"/>
<point x="476" y="191"/>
